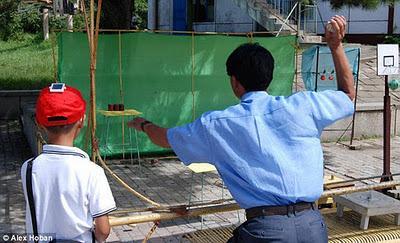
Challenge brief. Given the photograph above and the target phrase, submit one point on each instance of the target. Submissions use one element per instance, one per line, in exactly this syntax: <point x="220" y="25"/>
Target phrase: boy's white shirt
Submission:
<point x="69" y="192"/>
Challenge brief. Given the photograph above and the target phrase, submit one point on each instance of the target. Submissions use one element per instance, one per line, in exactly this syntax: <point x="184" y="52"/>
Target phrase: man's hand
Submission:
<point x="137" y="123"/>
<point x="335" y="31"/>
<point x="334" y="34"/>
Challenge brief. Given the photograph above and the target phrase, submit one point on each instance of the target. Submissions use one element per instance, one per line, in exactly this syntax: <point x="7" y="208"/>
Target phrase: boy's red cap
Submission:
<point x="59" y="108"/>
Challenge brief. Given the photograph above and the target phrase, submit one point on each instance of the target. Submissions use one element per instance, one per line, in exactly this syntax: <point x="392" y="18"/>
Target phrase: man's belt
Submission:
<point x="278" y="210"/>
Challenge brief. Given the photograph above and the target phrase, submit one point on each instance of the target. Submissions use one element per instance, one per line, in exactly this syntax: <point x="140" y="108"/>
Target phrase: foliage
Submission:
<point x="366" y="4"/>
<point x="10" y="22"/>
<point x="57" y="23"/>
<point x="26" y="64"/>
<point x="31" y="20"/>
<point x="308" y="2"/>
<point x="392" y="39"/>
<point x="141" y="13"/>
<point x="17" y="18"/>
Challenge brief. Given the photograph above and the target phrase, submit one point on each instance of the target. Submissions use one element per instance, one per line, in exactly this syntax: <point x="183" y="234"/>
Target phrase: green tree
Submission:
<point x="368" y="4"/>
<point x="10" y="20"/>
<point x="141" y="13"/>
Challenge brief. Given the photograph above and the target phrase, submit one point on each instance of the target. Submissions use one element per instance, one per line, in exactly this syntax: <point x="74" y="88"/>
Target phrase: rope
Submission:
<point x="121" y="93"/>
<point x="151" y="231"/>
<point x="124" y="184"/>
<point x="193" y="78"/>
<point x="40" y="141"/>
<point x="86" y="20"/>
<point x="54" y="58"/>
<point x="250" y="37"/>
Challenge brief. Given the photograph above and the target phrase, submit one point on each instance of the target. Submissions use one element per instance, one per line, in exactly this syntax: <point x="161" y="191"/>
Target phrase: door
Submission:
<point x="179" y="15"/>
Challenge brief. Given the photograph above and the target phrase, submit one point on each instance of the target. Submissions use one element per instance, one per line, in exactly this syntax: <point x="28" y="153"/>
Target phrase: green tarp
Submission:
<point x="171" y="79"/>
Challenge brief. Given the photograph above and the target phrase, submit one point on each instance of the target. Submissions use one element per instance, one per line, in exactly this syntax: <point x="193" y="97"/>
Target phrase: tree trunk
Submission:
<point x="117" y="14"/>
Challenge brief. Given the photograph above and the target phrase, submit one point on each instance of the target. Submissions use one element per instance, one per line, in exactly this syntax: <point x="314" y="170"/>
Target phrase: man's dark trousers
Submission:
<point x="302" y="227"/>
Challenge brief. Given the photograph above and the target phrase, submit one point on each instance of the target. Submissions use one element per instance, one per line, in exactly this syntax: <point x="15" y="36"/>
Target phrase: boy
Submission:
<point x="69" y="191"/>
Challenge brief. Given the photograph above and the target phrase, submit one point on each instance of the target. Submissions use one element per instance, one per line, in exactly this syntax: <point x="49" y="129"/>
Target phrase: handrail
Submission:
<point x="287" y="18"/>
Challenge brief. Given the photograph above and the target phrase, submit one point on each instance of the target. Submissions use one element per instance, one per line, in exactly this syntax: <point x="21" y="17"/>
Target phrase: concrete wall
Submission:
<point x="228" y="18"/>
<point x="29" y="126"/>
<point x="368" y="123"/>
<point x="165" y="15"/>
<point x="11" y="102"/>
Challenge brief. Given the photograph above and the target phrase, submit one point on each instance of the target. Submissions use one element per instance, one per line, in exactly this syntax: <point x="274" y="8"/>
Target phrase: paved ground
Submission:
<point x="169" y="182"/>
<point x="166" y="182"/>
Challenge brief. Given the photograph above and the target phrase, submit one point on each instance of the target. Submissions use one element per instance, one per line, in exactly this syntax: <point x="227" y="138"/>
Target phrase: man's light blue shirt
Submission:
<point x="267" y="149"/>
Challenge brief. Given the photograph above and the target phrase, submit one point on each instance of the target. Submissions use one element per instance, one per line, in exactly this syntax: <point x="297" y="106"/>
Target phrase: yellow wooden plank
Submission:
<point x="127" y="112"/>
<point x="202" y="167"/>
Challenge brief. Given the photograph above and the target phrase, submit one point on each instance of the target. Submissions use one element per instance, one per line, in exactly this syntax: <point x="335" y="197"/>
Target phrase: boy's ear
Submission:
<point x="81" y="122"/>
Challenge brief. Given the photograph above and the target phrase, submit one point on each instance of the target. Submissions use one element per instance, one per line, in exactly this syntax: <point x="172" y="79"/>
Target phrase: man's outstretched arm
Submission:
<point x="334" y="37"/>
<point x="158" y="135"/>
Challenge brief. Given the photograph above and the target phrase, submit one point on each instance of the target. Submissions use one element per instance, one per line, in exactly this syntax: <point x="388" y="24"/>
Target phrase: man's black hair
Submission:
<point x="252" y="65"/>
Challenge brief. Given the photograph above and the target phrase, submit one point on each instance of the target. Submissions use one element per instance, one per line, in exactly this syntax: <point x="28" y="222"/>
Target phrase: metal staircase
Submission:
<point x="283" y="17"/>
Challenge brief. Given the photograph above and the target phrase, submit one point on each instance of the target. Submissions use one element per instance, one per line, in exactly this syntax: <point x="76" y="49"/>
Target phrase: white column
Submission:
<point x="46" y="23"/>
<point x="70" y="22"/>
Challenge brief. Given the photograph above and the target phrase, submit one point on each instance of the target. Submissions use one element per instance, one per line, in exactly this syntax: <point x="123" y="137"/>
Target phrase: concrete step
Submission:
<point x="264" y="14"/>
<point x="310" y="39"/>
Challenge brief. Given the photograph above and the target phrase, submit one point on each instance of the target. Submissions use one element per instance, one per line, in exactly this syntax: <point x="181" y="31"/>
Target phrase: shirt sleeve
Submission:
<point x="101" y="200"/>
<point x="329" y="106"/>
<point x="190" y="142"/>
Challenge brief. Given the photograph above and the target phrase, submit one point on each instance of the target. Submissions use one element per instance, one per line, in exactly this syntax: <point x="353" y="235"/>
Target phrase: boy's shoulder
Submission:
<point x="81" y="164"/>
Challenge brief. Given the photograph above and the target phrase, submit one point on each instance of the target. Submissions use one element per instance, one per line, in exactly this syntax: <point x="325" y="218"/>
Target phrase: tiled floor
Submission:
<point x="167" y="182"/>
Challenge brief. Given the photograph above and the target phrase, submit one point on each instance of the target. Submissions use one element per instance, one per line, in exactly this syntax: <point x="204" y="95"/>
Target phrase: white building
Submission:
<point x="247" y="16"/>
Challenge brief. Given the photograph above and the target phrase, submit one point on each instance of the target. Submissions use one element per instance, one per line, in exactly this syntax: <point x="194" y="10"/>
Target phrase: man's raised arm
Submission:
<point x="334" y="33"/>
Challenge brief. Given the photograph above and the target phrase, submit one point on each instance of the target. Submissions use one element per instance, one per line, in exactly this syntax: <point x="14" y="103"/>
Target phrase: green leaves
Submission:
<point x="366" y="4"/>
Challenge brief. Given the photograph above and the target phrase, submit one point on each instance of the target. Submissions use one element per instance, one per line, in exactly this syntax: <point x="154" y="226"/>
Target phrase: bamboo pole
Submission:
<point x="86" y="20"/>
<point x="89" y="120"/>
<point x="159" y="216"/>
<point x="179" y="32"/>
<point x="114" y="221"/>
<point x="92" y="82"/>
<point x="99" y="5"/>
<point x="378" y="186"/>
<point x="93" y="41"/>
<point x="119" y="180"/>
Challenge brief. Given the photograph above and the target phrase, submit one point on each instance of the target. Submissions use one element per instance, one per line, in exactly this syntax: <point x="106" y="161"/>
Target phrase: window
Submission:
<point x="203" y="10"/>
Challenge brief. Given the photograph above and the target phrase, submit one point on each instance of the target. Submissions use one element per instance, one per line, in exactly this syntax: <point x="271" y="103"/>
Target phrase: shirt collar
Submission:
<point x="60" y="149"/>
<point x="253" y="95"/>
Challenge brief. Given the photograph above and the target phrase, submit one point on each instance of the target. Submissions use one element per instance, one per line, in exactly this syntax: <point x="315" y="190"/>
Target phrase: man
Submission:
<point x="69" y="191"/>
<point x="267" y="149"/>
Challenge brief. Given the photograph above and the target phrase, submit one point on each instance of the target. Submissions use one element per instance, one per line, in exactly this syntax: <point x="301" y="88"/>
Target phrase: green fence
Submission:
<point x="171" y="79"/>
